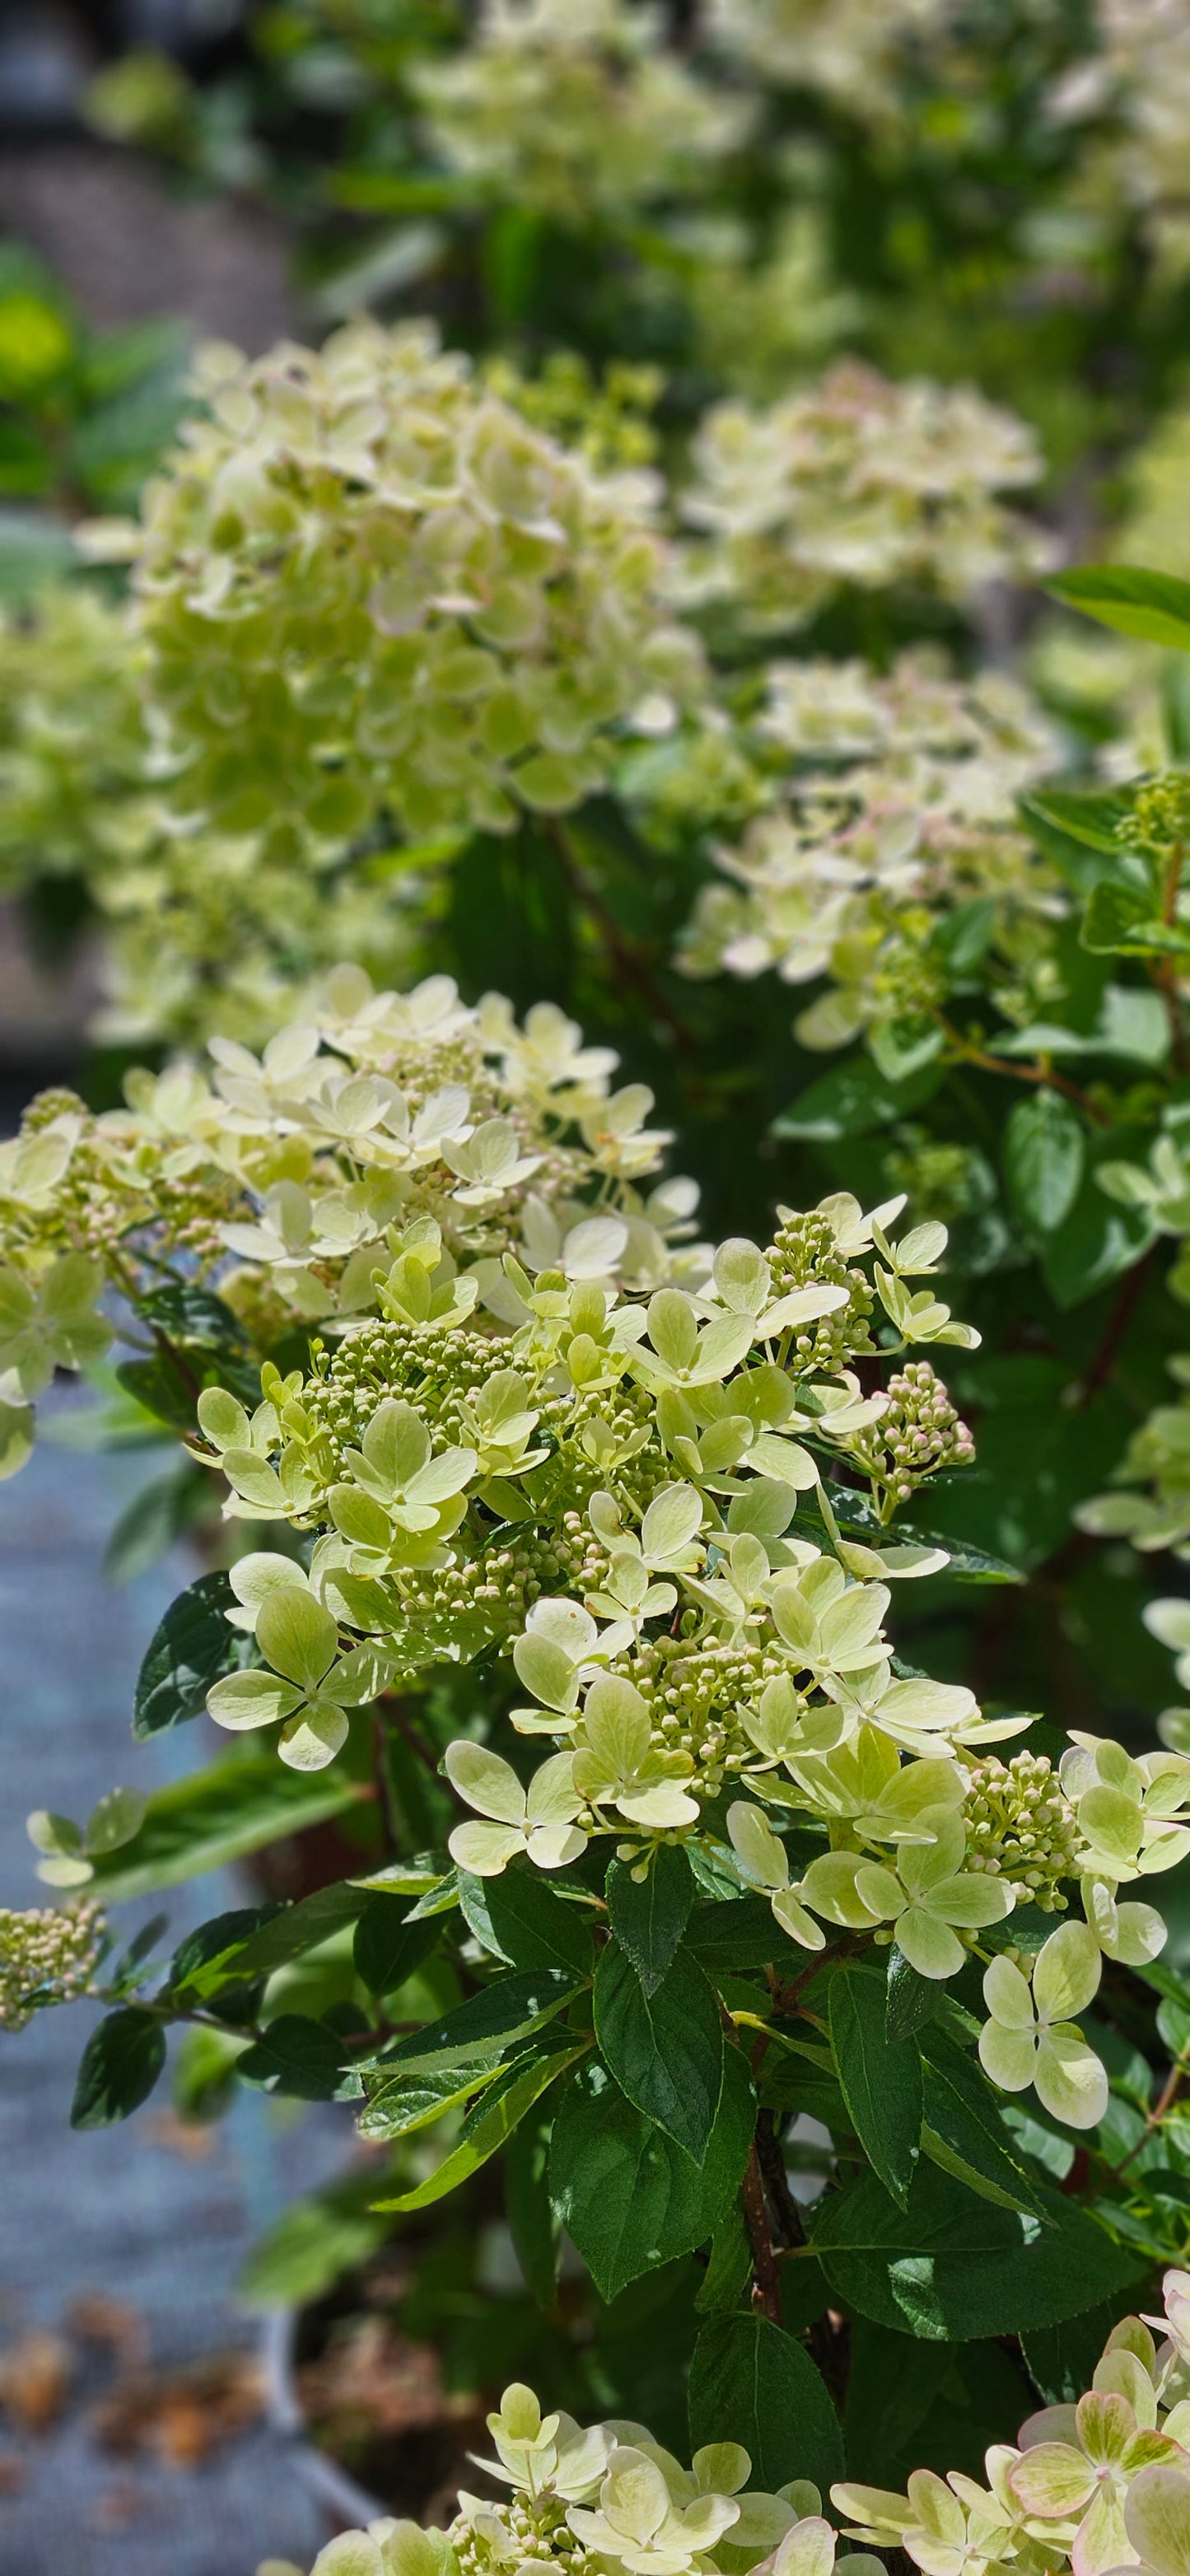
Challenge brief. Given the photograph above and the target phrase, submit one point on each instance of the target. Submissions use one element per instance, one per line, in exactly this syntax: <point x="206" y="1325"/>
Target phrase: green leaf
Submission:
<point x="909" y="1998"/>
<point x="729" y="2269"/>
<point x="665" y="2049"/>
<point x="218" y="1815"/>
<point x="191" y="1648"/>
<point x="852" y="1099"/>
<point x="880" y="2076"/>
<point x="528" y="2208"/>
<point x="629" y="2198"/>
<point x="1044" y="1157"/>
<point x="497" y="2113"/>
<point x="387" y="1948"/>
<point x="751" y="2383"/>
<point x="735" y="1933"/>
<point x="510" y="2008"/>
<point x="1099" y="1240"/>
<point x="964" y="2132"/>
<point x="184" y="1312"/>
<point x="1079" y="832"/>
<point x="211" y="1957"/>
<point x="401" y="2103"/>
<point x="293" y="1929"/>
<point x="298" y="2056"/>
<point x="1061" y="2359"/>
<point x="120" y="2065"/>
<point x="953" y="2267"/>
<point x="648" y="1920"/>
<point x="519" y="1919"/>
<point x="1153" y="605"/>
<point x="1119" y="921"/>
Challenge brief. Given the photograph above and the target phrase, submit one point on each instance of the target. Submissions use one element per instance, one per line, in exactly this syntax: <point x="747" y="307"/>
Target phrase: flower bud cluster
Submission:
<point x="1021" y="1827"/>
<point x="48" y="1955"/>
<point x="920" y="1433"/>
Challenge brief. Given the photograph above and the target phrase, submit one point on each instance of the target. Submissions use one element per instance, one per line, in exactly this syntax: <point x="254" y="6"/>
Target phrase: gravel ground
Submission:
<point x="123" y="2214"/>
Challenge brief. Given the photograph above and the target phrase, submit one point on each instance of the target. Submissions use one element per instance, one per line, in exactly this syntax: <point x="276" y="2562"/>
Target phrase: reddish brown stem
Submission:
<point x="1116" y="1328"/>
<point x="626" y="958"/>
<point x="1035" y="1073"/>
<point x="766" y="2280"/>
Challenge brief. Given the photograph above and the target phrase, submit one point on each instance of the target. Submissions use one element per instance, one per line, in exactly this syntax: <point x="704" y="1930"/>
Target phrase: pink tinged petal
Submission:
<point x="1157" y="2519"/>
<point x="1050" y="2424"/>
<point x="1052" y="2480"/>
<point x="1106" y="2426"/>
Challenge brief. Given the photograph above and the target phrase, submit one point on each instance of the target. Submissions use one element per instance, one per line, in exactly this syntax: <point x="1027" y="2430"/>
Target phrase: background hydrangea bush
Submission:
<point x="721" y="1633"/>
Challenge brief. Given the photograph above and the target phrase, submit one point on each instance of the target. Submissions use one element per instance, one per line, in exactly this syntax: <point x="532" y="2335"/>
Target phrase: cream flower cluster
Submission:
<point x="1104" y="2484"/>
<point x="1096" y="2486"/>
<point x="856" y="481"/>
<point x="575" y="107"/>
<point x="899" y="805"/>
<point x="846" y="49"/>
<point x="373" y="1121"/>
<point x="366" y="586"/>
<point x="605" y="2499"/>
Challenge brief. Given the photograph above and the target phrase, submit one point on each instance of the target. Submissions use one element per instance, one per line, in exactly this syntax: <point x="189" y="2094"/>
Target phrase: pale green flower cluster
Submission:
<point x="856" y="481"/>
<point x="366" y="587"/>
<point x="899" y="805"/>
<point x="382" y="1150"/>
<point x="605" y="2500"/>
<point x="48" y="1955"/>
<point x="1150" y="1503"/>
<point x="1104" y="2484"/>
<point x="848" y="50"/>
<point x="203" y="931"/>
<point x="1140" y="74"/>
<point x="535" y="1424"/>
<point x="1097" y="2486"/>
<point x="575" y="108"/>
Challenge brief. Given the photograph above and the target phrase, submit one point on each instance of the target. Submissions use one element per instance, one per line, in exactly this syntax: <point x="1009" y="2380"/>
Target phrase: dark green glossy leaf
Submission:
<point x="510" y="2008"/>
<point x="192" y="1647"/>
<point x="296" y="2056"/>
<point x="953" y="2267"/>
<point x="964" y="2132"/>
<point x="120" y="2065"/>
<point x="628" y="2196"/>
<point x="388" y="1949"/>
<point x="522" y="1920"/>
<point x="664" y="2049"/>
<point x="490" y="2124"/>
<point x="751" y="2383"/>
<point x="880" y="2076"/>
<point x="649" y="1919"/>
<point x="853" y="1099"/>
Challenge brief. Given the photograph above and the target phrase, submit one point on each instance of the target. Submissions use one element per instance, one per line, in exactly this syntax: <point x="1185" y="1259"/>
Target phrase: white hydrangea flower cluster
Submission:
<point x="365" y="586"/>
<point x="605" y="2500"/>
<point x="899" y="806"/>
<point x="1139" y="73"/>
<point x="1102" y="2484"/>
<point x="382" y="1147"/>
<point x="856" y="480"/>
<point x="576" y="108"/>
<point x="848" y="50"/>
